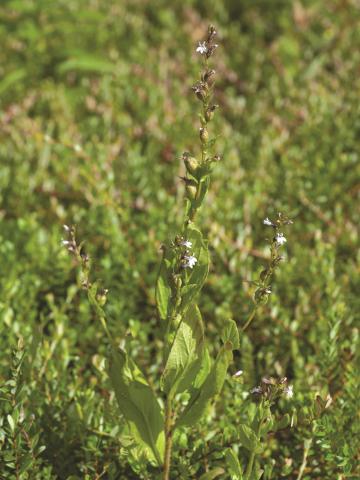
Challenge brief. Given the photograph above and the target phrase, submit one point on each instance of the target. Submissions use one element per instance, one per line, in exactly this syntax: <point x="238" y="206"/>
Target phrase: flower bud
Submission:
<point x="191" y="165"/>
<point x="191" y="191"/>
<point x="204" y="135"/>
<point x="209" y="114"/>
<point x="207" y="77"/>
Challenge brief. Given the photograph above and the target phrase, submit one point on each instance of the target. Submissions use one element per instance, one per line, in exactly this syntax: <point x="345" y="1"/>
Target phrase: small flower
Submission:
<point x="186" y="243"/>
<point x="202" y="48"/>
<point x="66" y="242"/>
<point x="238" y="374"/>
<point x="280" y="239"/>
<point x="66" y="228"/>
<point x="267" y="290"/>
<point x="289" y="391"/>
<point x="189" y="261"/>
<point x="268" y="222"/>
<point x="256" y="390"/>
<point x="77" y="148"/>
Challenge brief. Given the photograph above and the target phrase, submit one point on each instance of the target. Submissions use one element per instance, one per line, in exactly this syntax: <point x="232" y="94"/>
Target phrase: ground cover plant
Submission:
<point x="97" y="108"/>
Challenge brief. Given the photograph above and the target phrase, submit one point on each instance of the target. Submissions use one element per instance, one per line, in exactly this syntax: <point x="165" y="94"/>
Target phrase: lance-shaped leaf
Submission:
<point x="216" y="472"/>
<point x="231" y="334"/>
<point x="183" y="364"/>
<point x="138" y="404"/>
<point x="233" y="464"/>
<point x="212" y="386"/>
<point x="163" y="290"/>
<point x="249" y="439"/>
<point x="198" y="274"/>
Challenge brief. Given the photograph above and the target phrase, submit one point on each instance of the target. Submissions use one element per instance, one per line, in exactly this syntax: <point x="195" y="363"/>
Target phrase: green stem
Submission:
<point x="168" y="437"/>
<point x="250" y="319"/>
<point x="250" y="466"/>
<point x="307" y="445"/>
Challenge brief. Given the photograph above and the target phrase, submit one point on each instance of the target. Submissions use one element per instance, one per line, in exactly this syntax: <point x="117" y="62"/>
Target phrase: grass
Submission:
<point x="95" y="113"/>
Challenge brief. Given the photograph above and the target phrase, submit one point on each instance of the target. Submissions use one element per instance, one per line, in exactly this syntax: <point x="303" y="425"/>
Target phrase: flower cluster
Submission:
<point x="264" y="287"/>
<point x="271" y="389"/>
<point x="207" y="47"/>
<point x="187" y="260"/>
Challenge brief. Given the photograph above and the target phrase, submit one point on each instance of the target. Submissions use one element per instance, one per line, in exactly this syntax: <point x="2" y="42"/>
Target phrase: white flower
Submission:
<point x="256" y="390"/>
<point x="238" y="374"/>
<point x="189" y="261"/>
<point x="186" y="243"/>
<point x="66" y="228"/>
<point x="280" y="239"/>
<point x="202" y="48"/>
<point x="268" y="222"/>
<point x="65" y="242"/>
<point x="77" y="148"/>
<point x="289" y="391"/>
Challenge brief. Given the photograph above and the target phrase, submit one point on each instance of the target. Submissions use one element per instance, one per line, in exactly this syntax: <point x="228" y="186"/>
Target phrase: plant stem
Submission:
<point x="168" y="437"/>
<point x="307" y="445"/>
<point x="250" y="466"/>
<point x="250" y="319"/>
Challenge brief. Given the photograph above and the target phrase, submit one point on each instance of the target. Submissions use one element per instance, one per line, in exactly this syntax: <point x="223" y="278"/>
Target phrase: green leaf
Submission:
<point x="199" y="273"/>
<point x="163" y="289"/>
<point x="231" y="334"/>
<point x="212" y="386"/>
<point x="11" y="79"/>
<point x="11" y="422"/>
<point x="212" y="474"/>
<point x="233" y="464"/>
<point x="282" y="423"/>
<point x="138" y="404"/>
<point x="183" y="361"/>
<point x="86" y="63"/>
<point x="249" y="439"/>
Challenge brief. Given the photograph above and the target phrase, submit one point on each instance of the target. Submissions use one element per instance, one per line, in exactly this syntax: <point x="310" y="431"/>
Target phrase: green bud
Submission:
<point x="191" y="191"/>
<point x="209" y="114"/>
<point x="204" y="135"/>
<point x="191" y="165"/>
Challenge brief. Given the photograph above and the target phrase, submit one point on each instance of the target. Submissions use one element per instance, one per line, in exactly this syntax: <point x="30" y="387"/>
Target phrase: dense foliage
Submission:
<point x="96" y="110"/>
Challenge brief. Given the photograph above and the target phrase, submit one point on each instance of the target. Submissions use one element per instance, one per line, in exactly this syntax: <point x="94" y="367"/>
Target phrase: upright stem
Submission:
<point x="250" y="466"/>
<point x="168" y="437"/>
<point x="250" y="319"/>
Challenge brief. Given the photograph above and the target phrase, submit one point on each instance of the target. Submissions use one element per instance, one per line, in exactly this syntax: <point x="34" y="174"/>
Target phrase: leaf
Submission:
<point x="249" y="439"/>
<point x="138" y="404"/>
<point x="233" y="463"/>
<point x="11" y="422"/>
<point x="211" y="387"/>
<point x="212" y="474"/>
<point x="183" y="361"/>
<point x="11" y="79"/>
<point x="86" y="63"/>
<point x="163" y="289"/>
<point x="199" y="273"/>
<point x="231" y="334"/>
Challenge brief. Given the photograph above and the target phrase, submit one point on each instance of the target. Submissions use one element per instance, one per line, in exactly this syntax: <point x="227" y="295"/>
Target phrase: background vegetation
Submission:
<point x="96" y="110"/>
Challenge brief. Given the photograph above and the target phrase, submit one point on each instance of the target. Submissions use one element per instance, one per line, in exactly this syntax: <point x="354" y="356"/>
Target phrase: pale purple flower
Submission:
<point x="186" y="243"/>
<point x="289" y="391"/>
<point x="189" y="261"/>
<point x="202" y="48"/>
<point x="256" y="390"/>
<point x="268" y="222"/>
<point x="280" y="239"/>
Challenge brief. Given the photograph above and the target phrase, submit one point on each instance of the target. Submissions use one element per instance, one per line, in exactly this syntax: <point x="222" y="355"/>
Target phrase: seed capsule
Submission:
<point x="191" y="191"/>
<point x="191" y="165"/>
<point x="204" y="135"/>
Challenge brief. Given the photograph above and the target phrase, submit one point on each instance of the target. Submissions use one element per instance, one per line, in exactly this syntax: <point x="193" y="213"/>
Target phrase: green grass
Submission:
<point x="96" y="110"/>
